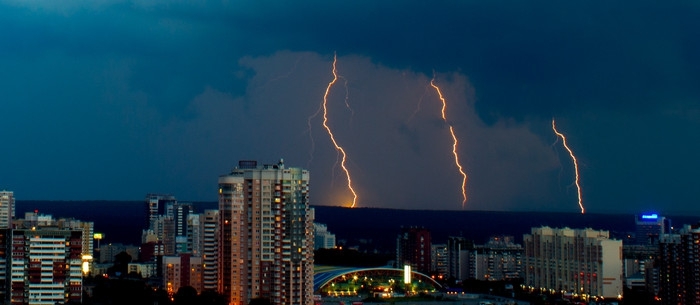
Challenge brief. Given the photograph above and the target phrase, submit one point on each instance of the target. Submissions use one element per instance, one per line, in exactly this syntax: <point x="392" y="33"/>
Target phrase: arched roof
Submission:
<point x="325" y="274"/>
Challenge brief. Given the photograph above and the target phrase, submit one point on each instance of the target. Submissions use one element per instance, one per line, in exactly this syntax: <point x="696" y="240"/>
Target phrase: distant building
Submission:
<point x="322" y="238"/>
<point x="7" y="208"/>
<point x="439" y="259"/>
<point x="648" y="228"/>
<point x="145" y="270"/>
<point x="182" y="270"/>
<point x="584" y="262"/>
<point x="175" y="229"/>
<point x="209" y="222"/>
<point x="458" y="257"/>
<point x="679" y="272"/>
<point x="109" y="251"/>
<point x="640" y="271"/>
<point x="156" y="205"/>
<point x="265" y="234"/>
<point x="413" y="247"/>
<point x="498" y="260"/>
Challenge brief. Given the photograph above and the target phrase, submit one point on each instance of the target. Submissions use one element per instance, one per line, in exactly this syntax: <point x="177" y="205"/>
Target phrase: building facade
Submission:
<point x="45" y="264"/>
<point x="209" y="223"/>
<point x="265" y="234"/>
<point x="7" y="208"/>
<point x="182" y="270"/>
<point x="322" y="238"/>
<point x="458" y="257"/>
<point x="583" y="262"/>
<point x="499" y="259"/>
<point x="648" y="228"/>
<point x="679" y="272"/>
<point x="413" y="247"/>
<point x="157" y="205"/>
<point x="439" y="257"/>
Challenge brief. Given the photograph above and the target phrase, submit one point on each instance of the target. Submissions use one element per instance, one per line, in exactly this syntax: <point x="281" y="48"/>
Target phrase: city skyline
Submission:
<point x="116" y="99"/>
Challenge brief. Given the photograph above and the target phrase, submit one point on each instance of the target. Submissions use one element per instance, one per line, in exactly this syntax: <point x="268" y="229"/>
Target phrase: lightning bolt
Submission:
<point x="330" y="132"/>
<point x="573" y="158"/>
<point x="454" y="141"/>
<point x="420" y="101"/>
<point x="313" y="143"/>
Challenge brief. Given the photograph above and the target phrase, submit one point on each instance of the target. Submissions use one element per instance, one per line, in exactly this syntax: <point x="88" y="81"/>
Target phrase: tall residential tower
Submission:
<point x="265" y="234"/>
<point x="7" y="209"/>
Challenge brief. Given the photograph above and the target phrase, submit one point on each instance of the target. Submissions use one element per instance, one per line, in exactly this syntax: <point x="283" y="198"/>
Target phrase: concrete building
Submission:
<point x="648" y="228"/>
<point x="7" y="208"/>
<point x="322" y="238"/>
<point x="157" y="205"/>
<point x="146" y="270"/>
<point x="458" y="257"/>
<point x="46" y="260"/>
<point x="640" y="270"/>
<point x="209" y="221"/>
<point x="413" y="248"/>
<point x="265" y="234"/>
<point x="498" y="260"/>
<point x="679" y="272"/>
<point x="439" y="256"/>
<point x="109" y="251"/>
<point x="182" y="270"/>
<point x="584" y="262"/>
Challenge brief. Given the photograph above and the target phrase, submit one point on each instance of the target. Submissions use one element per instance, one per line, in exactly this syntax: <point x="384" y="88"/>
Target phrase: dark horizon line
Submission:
<point x="616" y="212"/>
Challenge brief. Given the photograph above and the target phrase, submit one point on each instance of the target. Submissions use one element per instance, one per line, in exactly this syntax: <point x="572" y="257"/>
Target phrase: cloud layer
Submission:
<point x="116" y="99"/>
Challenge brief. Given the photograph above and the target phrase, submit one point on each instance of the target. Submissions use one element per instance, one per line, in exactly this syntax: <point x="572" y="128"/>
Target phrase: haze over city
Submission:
<point x="117" y="99"/>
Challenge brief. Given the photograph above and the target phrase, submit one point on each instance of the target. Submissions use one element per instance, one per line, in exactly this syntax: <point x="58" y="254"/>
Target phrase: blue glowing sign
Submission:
<point x="650" y="216"/>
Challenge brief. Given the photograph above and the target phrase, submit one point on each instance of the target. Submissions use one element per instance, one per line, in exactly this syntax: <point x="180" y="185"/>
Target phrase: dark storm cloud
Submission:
<point x="537" y="57"/>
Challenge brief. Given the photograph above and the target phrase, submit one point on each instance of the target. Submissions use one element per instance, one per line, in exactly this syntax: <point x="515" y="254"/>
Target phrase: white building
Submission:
<point x="46" y="260"/>
<point x="584" y="262"/>
<point x="322" y="238"/>
<point x="7" y="208"/>
<point x="209" y="228"/>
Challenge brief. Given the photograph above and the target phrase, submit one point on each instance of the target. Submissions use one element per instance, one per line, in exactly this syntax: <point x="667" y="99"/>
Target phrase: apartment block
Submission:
<point x="265" y="234"/>
<point x="583" y="262"/>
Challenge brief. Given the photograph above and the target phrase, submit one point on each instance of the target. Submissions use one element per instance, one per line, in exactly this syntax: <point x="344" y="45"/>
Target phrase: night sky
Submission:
<point x="116" y="99"/>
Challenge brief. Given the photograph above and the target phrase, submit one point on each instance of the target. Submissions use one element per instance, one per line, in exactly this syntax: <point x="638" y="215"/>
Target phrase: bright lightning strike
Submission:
<point x="455" y="142"/>
<point x="330" y="133"/>
<point x="571" y="153"/>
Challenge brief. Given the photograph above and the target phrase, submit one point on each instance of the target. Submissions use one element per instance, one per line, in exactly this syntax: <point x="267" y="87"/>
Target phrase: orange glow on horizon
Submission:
<point x="454" y="141"/>
<point x="330" y="133"/>
<point x="571" y="153"/>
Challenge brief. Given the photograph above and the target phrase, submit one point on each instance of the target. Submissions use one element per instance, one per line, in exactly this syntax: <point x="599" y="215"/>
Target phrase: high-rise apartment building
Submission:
<point x="458" y="257"/>
<point x="192" y="242"/>
<point x="7" y="208"/>
<point x="209" y="222"/>
<point x="265" y="234"/>
<point x="679" y="271"/>
<point x="413" y="247"/>
<point x="157" y="205"/>
<point x="584" y="262"/>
